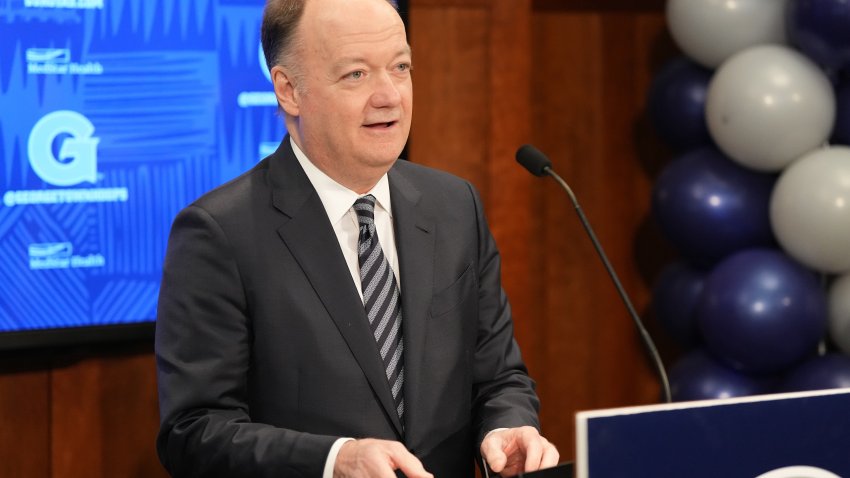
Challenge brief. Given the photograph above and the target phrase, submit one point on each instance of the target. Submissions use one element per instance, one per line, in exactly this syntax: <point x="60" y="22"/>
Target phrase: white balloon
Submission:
<point x="710" y="31"/>
<point x="839" y="312"/>
<point x="768" y="105"/>
<point x="810" y="210"/>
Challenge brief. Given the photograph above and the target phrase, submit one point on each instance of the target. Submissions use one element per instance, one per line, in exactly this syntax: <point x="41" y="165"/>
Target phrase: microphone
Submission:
<point x="533" y="160"/>
<point x="538" y="164"/>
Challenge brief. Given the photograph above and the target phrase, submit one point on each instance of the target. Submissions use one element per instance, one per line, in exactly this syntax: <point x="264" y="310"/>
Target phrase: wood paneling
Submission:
<point x="24" y="417"/>
<point x="104" y="414"/>
<point x="600" y="5"/>
<point x="593" y="69"/>
<point x="68" y="413"/>
<point x="450" y="125"/>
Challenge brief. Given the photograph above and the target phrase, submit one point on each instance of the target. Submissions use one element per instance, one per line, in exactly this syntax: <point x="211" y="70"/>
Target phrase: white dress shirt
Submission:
<point x="338" y="202"/>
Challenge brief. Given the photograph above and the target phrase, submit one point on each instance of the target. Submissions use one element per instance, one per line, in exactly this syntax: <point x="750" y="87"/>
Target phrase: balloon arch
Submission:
<point x="757" y="200"/>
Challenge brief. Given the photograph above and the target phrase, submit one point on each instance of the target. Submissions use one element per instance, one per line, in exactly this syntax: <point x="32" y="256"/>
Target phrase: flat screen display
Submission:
<point x="114" y="115"/>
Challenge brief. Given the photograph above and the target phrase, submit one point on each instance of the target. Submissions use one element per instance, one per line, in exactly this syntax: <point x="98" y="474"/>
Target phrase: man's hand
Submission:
<point x="514" y="450"/>
<point x="377" y="458"/>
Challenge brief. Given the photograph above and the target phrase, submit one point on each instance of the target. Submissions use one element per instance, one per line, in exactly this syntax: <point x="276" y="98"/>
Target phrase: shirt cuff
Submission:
<point x="331" y="460"/>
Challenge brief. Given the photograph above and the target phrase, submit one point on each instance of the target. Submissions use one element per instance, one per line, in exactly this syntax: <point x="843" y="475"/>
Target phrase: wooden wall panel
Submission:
<point x="471" y="90"/>
<point x="88" y="411"/>
<point x="24" y="417"/>
<point x="511" y="193"/>
<point x="76" y="434"/>
<point x="589" y="88"/>
<point x="130" y="452"/>
<point x="104" y="414"/>
<point x="451" y="108"/>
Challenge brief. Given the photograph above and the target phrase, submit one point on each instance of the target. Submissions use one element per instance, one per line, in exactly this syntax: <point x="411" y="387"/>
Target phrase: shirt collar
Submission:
<point x="337" y="198"/>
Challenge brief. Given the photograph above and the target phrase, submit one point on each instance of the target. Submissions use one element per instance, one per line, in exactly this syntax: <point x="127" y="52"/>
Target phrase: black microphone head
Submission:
<point x="533" y="160"/>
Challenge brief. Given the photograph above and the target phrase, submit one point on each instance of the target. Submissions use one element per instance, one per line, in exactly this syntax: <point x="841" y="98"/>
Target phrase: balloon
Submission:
<point x="698" y="376"/>
<point x="676" y="104"/>
<point x="674" y="300"/>
<point x="821" y="30"/>
<point x="828" y="371"/>
<point x="710" y="31"/>
<point x="841" y="130"/>
<point x="810" y="210"/>
<point x="709" y="207"/>
<point x="839" y="313"/>
<point x="769" y="105"/>
<point x="761" y="311"/>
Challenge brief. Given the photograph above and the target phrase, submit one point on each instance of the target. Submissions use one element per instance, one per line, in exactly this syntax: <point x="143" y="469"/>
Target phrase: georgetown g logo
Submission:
<point x="76" y="158"/>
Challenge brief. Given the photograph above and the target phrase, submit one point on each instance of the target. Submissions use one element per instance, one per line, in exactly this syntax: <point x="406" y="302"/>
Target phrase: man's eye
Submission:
<point x="404" y="67"/>
<point x="355" y="75"/>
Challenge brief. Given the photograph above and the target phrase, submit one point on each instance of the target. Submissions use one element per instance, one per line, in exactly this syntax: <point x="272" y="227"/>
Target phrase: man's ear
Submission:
<point x="284" y="90"/>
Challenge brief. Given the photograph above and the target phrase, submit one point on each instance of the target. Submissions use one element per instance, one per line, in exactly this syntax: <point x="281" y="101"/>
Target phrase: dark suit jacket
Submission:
<point x="263" y="349"/>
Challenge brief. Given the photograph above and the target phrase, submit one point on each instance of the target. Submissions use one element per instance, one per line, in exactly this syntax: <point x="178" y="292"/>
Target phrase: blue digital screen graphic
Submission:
<point x="114" y="115"/>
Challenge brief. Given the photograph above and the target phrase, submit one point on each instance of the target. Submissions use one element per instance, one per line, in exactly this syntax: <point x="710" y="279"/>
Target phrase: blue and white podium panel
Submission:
<point x="796" y="435"/>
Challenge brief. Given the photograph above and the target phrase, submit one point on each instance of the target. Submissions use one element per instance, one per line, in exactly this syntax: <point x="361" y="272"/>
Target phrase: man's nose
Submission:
<point x="386" y="91"/>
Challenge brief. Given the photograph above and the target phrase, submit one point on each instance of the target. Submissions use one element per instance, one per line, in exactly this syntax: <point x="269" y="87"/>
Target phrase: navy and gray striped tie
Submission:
<point x="381" y="298"/>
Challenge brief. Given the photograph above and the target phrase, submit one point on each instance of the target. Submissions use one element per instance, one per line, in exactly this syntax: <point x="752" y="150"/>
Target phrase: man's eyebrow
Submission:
<point x="342" y="65"/>
<point x="354" y="60"/>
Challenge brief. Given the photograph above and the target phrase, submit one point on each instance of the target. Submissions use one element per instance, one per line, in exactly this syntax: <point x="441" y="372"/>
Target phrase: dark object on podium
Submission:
<point x="564" y="470"/>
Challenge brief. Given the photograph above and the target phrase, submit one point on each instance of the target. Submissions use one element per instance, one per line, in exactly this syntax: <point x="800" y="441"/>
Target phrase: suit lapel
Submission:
<point x="310" y="238"/>
<point x="415" y="244"/>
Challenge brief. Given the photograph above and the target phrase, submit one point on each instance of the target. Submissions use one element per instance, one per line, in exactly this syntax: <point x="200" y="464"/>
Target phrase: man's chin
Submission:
<point x="385" y="154"/>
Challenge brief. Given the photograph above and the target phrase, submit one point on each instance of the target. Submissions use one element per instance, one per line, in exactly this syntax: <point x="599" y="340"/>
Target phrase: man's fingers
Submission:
<point x="493" y="453"/>
<point x="411" y="467"/>
<point x="370" y="458"/>
<point x="531" y="442"/>
<point x="539" y="453"/>
<point x="550" y="455"/>
<point x="514" y="450"/>
<point x="409" y="464"/>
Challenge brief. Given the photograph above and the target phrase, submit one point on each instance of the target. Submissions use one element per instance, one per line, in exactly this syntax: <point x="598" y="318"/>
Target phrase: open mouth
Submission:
<point x="384" y="125"/>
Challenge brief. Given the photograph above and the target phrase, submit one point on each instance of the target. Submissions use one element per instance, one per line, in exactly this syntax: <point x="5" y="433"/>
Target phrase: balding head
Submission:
<point x="278" y="33"/>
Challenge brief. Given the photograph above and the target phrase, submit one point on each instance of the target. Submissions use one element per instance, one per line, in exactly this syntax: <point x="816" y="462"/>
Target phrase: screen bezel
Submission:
<point x="69" y="336"/>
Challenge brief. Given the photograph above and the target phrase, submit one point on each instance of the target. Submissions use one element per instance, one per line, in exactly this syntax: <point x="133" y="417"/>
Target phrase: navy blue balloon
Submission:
<point x="674" y="300"/>
<point x="698" y="376"/>
<point x="828" y="371"/>
<point x="841" y="130"/>
<point x="710" y="207"/>
<point x="676" y="104"/>
<point x="821" y="30"/>
<point x="761" y="311"/>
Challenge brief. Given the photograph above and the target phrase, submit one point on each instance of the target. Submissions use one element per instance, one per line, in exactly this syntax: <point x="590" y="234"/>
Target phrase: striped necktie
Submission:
<point x="381" y="298"/>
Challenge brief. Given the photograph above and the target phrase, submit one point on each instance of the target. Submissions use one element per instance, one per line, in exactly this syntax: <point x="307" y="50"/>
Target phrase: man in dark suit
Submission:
<point x="334" y="311"/>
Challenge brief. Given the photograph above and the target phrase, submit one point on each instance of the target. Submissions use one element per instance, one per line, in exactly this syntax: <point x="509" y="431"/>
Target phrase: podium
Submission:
<point x="795" y="435"/>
